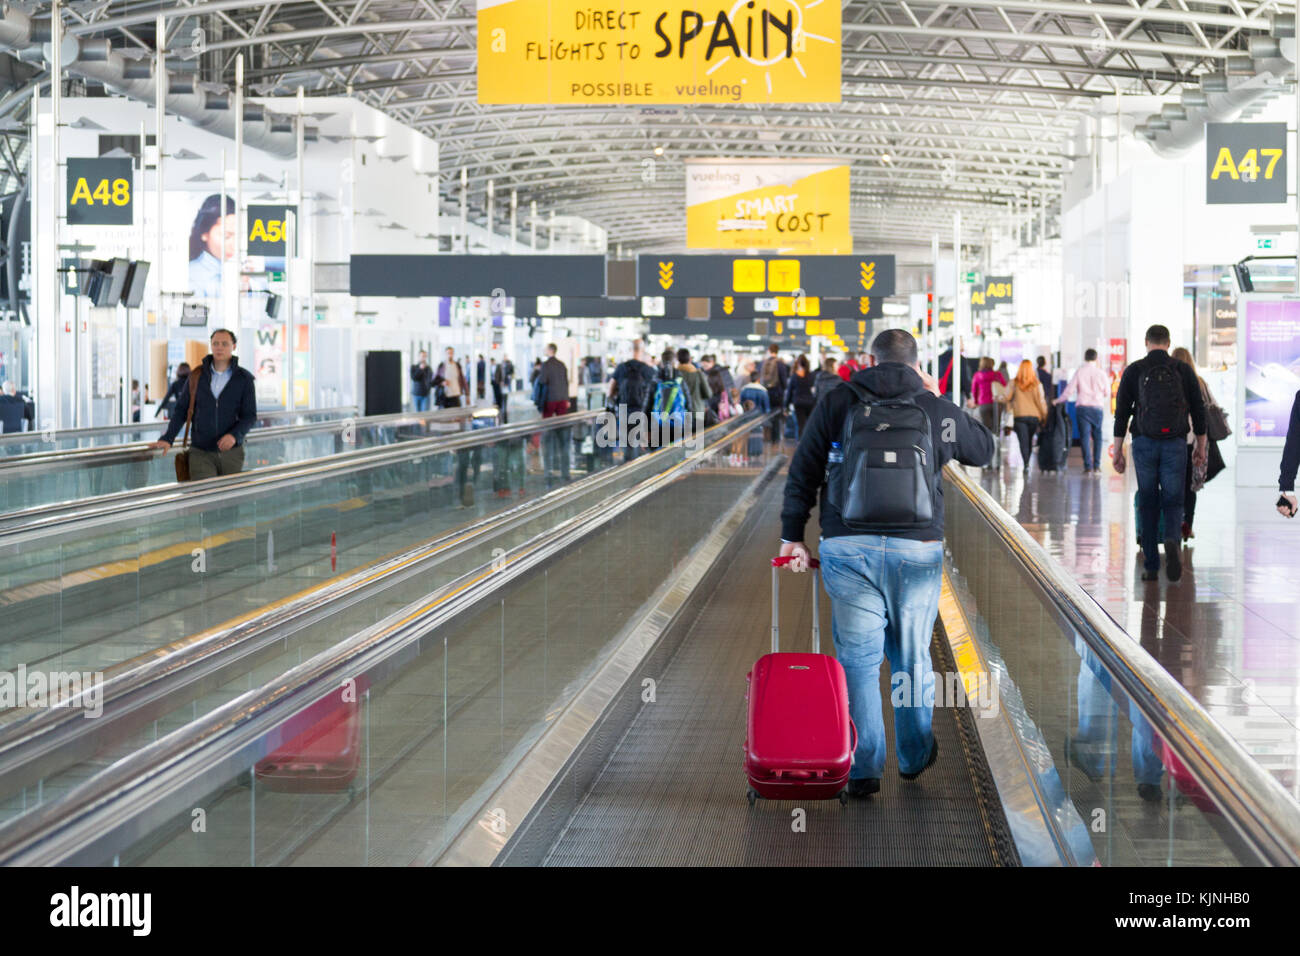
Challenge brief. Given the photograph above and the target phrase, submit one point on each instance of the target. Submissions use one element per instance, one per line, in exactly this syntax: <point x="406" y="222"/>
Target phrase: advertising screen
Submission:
<point x="1270" y="365"/>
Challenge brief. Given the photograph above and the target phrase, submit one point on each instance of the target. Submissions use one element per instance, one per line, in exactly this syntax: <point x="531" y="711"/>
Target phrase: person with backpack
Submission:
<point x="720" y="403"/>
<point x="502" y="375"/>
<point x="630" y="390"/>
<point x="1028" y="408"/>
<point x="1160" y="396"/>
<point x="867" y="449"/>
<point x="666" y="370"/>
<point x="696" y="385"/>
<point x="825" y="379"/>
<point x="774" y="376"/>
<point x="449" y="384"/>
<point x="671" y="405"/>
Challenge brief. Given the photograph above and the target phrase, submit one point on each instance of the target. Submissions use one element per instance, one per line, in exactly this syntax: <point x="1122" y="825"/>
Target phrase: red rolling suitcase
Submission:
<point x="325" y="755"/>
<point x="799" y="740"/>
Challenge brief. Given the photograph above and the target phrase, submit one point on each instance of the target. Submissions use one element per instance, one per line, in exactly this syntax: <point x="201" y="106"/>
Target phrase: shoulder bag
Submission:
<point x="183" y="456"/>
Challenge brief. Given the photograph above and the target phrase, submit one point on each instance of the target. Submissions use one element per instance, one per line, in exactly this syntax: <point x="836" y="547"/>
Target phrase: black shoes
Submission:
<point x="1173" y="559"/>
<point x="1150" y="792"/>
<point x="863" y="786"/>
<point x="934" y="755"/>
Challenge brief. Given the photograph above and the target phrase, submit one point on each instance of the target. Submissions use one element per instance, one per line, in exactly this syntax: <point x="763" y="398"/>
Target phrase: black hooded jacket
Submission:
<point x="971" y="444"/>
<point x="234" y="413"/>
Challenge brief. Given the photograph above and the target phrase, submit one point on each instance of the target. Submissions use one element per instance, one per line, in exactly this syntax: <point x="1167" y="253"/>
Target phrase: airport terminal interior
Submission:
<point x="407" y="407"/>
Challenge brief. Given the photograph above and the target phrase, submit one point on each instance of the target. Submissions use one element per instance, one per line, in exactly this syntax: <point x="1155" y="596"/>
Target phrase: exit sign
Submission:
<point x="1263" y="244"/>
<point x="972" y="278"/>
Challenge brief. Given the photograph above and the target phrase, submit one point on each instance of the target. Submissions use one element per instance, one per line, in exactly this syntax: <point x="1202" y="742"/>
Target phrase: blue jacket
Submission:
<point x="234" y="413"/>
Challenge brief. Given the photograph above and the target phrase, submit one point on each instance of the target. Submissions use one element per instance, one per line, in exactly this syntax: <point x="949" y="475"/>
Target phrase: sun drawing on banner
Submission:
<point x="798" y="36"/>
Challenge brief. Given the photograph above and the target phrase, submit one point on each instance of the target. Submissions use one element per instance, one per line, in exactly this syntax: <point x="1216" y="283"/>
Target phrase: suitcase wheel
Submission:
<point x="751" y="796"/>
<point x="844" y="798"/>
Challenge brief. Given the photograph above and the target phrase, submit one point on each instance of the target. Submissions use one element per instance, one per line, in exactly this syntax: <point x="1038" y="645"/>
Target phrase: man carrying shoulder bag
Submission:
<point x="224" y="402"/>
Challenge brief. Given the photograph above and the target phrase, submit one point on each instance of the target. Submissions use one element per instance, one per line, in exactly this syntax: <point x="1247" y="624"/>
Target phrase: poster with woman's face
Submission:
<point x="213" y="238"/>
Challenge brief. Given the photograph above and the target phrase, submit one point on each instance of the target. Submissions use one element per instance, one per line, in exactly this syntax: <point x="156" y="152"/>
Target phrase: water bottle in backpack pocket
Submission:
<point x="885" y="477"/>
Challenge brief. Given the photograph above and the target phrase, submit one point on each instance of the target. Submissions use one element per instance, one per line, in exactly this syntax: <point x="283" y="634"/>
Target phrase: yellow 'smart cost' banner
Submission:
<point x="768" y="205"/>
<point x="735" y="51"/>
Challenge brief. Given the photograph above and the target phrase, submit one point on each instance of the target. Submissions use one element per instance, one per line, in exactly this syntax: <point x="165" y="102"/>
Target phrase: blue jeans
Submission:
<point x="1098" y="704"/>
<point x="884" y="598"/>
<point x="1090" y="417"/>
<point x="1161" y="466"/>
<point x="421" y="402"/>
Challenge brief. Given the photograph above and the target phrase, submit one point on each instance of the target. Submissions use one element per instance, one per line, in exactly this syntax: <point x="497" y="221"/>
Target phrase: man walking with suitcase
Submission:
<point x="1159" y="393"/>
<point x="874" y="453"/>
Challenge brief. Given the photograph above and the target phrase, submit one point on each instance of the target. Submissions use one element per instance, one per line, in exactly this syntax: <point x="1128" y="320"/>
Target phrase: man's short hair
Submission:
<point x="667" y="356"/>
<point x="1090" y="355"/>
<point x="216" y="332"/>
<point x="774" y="348"/>
<point x="552" y="347"/>
<point x="829" y="364"/>
<point x="683" y="356"/>
<point x="895" y="345"/>
<point x="1042" y="361"/>
<point x="1158" y="335"/>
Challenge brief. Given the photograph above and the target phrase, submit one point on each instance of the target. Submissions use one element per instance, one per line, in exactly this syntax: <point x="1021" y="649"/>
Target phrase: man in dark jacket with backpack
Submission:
<point x="631" y="390"/>
<point x="875" y="450"/>
<point x="225" y="408"/>
<point x="1158" y="393"/>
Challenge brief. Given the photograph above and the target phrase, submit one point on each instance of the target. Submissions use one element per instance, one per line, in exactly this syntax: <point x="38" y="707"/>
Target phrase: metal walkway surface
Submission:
<point x="672" y="792"/>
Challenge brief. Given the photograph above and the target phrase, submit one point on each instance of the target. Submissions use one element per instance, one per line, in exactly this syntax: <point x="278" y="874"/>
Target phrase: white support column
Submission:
<point x="56" y="194"/>
<point x="241" y="228"/>
<point x="291" y="321"/>
<point x="532" y="225"/>
<point x="933" y="331"/>
<point x="160" y="110"/>
<point x="303" y="235"/>
<point x="514" y="221"/>
<point x="958" y="296"/>
<point x="464" y="209"/>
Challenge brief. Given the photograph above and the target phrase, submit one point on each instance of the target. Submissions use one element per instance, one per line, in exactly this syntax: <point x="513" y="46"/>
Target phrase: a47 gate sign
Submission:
<point x="1245" y="163"/>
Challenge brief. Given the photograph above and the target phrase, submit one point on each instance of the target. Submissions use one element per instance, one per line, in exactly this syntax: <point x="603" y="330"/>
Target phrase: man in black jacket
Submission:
<point x="1286" y="504"/>
<point x="1160" y="459"/>
<point x="884" y="588"/>
<point x="225" y="408"/>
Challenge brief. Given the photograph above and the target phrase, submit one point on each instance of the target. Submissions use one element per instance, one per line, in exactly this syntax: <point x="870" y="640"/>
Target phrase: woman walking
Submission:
<point x="799" y="393"/>
<point x="986" y="394"/>
<point x="1028" y="408"/>
<point x="1196" y="478"/>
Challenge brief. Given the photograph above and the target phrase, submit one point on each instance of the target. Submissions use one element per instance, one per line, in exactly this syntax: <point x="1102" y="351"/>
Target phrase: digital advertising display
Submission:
<point x="1269" y="365"/>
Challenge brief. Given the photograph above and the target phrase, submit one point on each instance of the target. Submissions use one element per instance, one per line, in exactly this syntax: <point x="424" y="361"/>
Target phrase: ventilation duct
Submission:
<point x="94" y="59"/>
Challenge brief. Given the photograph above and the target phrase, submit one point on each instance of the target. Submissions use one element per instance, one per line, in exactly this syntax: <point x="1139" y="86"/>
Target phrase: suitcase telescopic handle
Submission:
<point x="777" y="564"/>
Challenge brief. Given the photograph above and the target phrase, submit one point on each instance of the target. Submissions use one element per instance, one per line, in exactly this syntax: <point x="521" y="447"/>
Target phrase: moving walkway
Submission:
<point x="575" y="694"/>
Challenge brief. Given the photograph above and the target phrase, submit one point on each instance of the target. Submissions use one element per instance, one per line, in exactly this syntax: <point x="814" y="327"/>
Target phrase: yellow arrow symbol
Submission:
<point x="868" y="273"/>
<point x="666" y="275"/>
<point x="728" y="304"/>
<point x="864" y="305"/>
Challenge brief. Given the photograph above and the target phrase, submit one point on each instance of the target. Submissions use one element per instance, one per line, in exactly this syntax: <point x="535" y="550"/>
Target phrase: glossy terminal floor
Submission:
<point x="1228" y="631"/>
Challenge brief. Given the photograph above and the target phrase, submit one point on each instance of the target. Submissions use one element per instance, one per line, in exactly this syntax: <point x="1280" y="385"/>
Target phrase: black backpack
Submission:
<point x="639" y="388"/>
<point x="886" y="480"/>
<point x="1162" y="407"/>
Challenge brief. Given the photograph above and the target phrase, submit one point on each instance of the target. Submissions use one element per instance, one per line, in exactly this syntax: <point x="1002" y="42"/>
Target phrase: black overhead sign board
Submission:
<point x="714" y="275"/>
<point x="1245" y="163"/>
<point x="577" y="307"/>
<point x="99" y="192"/>
<point x="792" y="307"/>
<point x="514" y="276"/>
<point x="852" y="332"/>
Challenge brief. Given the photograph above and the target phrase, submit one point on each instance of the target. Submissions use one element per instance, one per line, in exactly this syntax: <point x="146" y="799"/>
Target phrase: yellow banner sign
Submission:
<point x="742" y="51"/>
<point x="768" y="205"/>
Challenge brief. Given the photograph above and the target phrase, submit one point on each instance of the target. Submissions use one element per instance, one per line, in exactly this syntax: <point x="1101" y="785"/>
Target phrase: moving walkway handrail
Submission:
<point x="110" y="804"/>
<point x="59" y="518"/>
<point x="1256" y="804"/>
<point x="160" y="673"/>
<point x="16" y="438"/>
<point x="140" y="450"/>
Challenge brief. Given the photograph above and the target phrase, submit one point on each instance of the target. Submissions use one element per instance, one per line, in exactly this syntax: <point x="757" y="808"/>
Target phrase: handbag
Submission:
<point x="1216" y="423"/>
<point x="183" y="456"/>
